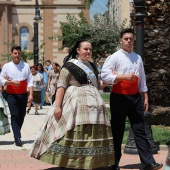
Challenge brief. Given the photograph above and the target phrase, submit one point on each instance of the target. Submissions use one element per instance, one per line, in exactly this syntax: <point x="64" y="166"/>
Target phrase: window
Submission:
<point x="24" y="38"/>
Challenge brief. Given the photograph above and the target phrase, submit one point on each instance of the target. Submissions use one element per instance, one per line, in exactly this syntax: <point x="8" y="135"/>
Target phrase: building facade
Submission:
<point x="16" y="24"/>
<point x="120" y="10"/>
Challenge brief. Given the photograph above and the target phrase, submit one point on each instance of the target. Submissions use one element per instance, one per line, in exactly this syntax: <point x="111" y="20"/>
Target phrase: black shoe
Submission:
<point x="18" y="142"/>
<point x="115" y="167"/>
<point x="47" y="104"/>
<point x="28" y="110"/>
<point x="153" y="166"/>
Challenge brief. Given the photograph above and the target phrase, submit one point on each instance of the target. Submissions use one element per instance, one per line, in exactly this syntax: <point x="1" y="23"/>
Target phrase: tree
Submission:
<point x="25" y="54"/>
<point x="102" y="32"/>
<point x="88" y="3"/>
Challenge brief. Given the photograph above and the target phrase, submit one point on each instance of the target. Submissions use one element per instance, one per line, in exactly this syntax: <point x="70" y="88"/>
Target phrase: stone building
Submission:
<point x="16" y="24"/>
<point x="119" y="10"/>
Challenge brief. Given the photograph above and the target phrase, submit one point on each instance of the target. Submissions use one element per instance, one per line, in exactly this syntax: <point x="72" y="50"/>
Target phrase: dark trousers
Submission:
<point x="17" y="105"/>
<point x="53" y="97"/>
<point x="131" y="106"/>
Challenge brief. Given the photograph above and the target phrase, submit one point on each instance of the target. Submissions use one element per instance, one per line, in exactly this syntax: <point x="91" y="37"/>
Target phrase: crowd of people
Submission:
<point x="77" y="132"/>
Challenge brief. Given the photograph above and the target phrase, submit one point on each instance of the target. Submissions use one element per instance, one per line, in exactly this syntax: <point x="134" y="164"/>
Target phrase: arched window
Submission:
<point x="24" y="38"/>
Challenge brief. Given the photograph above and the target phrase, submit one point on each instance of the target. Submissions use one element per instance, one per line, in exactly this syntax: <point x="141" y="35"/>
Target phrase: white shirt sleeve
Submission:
<point x="29" y="78"/>
<point x="142" y="79"/>
<point x="3" y="73"/>
<point x="106" y="73"/>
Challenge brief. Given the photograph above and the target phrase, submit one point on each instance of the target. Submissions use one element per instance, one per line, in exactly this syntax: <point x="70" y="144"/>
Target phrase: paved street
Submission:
<point x="17" y="158"/>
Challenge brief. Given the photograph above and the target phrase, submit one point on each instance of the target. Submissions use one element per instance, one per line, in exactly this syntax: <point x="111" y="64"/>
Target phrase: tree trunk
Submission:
<point x="157" y="54"/>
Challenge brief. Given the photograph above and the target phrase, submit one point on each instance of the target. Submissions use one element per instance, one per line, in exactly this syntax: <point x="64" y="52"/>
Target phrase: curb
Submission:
<point x="161" y="147"/>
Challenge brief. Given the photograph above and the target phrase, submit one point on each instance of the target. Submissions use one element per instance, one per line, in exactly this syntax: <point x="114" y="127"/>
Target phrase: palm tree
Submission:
<point x="88" y="3"/>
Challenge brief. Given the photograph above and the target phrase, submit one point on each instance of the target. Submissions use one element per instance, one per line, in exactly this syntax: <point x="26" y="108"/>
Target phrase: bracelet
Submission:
<point x="57" y="106"/>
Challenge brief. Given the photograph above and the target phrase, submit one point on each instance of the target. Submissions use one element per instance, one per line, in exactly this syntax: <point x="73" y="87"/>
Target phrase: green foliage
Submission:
<point x="7" y="57"/>
<point x="25" y="54"/>
<point x="72" y="30"/>
<point x="160" y="132"/>
<point x="106" y="97"/>
<point x="88" y="3"/>
<point x="102" y="32"/>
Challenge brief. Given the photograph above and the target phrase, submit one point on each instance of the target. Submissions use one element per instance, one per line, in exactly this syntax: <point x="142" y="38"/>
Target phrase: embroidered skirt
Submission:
<point x="4" y="124"/>
<point x="82" y="138"/>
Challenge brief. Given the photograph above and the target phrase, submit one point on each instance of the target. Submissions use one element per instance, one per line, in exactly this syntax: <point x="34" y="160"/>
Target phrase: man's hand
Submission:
<point x="130" y="76"/>
<point x="15" y="82"/>
<point x="30" y="98"/>
<point x="146" y="105"/>
<point x="121" y="77"/>
<point x="146" y="101"/>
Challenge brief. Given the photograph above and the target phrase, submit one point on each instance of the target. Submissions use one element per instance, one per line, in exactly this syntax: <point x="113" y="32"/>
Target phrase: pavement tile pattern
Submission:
<point x="17" y="158"/>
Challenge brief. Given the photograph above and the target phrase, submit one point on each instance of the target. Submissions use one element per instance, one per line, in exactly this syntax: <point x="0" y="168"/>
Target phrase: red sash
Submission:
<point x="126" y="87"/>
<point x="21" y="89"/>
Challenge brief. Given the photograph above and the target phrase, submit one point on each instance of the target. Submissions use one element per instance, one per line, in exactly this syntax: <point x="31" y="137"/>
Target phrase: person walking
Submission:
<point x="37" y="81"/>
<point x="76" y="132"/>
<point x="53" y="79"/>
<point x="167" y="163"/>
<point x="41" y="70"/>
<point x="4" y="123"/>
<point x="48" y="92"/>
<point x="129" y="91"/>
<point x="49" y="66"/>
<point x="17" y="77"/>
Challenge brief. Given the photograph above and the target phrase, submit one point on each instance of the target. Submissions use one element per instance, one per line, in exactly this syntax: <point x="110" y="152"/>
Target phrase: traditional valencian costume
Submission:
<point x="4" y="124"/>
<point x="82" y="138"/>
<point x="17" y="96"/>
<point x="126" y="100"/>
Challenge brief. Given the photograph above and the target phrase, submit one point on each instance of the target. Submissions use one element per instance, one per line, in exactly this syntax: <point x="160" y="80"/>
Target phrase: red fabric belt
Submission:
<point x="21" y="89"/>
<point x="126" y="87"/>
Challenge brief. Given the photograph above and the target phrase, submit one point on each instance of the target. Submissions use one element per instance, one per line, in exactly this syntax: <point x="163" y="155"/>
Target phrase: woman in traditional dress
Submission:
<point x="4" y="124"/>
<point x="76" y="132"/>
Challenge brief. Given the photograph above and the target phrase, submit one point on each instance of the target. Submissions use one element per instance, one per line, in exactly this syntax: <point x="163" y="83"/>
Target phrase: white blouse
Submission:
<point x="123" y="63"/>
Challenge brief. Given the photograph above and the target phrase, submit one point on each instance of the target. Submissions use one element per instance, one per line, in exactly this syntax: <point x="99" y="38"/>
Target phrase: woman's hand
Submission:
<point x="57" y="113"/>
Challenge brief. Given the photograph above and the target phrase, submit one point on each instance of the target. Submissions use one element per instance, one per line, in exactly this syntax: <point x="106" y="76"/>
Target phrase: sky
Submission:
<point x="98" y="6"/>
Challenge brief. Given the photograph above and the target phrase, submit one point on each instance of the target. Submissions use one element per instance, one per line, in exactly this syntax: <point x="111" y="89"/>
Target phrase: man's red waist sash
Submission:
<point x="21" y="89"/>
<point x="126" y="87"/>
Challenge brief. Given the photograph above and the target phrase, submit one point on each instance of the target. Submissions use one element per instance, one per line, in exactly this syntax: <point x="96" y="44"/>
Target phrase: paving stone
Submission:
<point x="17" y="158"/>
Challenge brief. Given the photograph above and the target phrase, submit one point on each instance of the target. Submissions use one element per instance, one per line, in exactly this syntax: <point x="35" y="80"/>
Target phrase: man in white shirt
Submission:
<point x="17" y="77"/>
<point x="128" y="87"/>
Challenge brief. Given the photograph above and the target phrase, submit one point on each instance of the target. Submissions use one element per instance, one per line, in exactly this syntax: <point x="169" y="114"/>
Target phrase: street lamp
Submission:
<point x="139" y="15"/>
<point x="130" y="147"/>
<point x="37" y="18"/>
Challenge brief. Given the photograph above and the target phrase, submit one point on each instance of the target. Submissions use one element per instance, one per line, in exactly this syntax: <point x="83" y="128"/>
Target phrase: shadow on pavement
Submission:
<point x="12" y="142"/>
<point x="6" y="142"/>
<point x="59" y="168"/>
<point x="132" y="166"/>
<point x="27" y="141"/>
